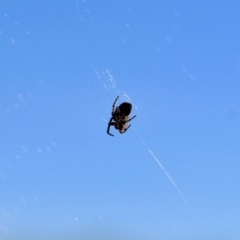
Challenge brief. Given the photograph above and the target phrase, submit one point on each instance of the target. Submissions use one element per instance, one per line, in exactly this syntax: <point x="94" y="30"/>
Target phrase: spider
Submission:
<point x="120" y="117"/>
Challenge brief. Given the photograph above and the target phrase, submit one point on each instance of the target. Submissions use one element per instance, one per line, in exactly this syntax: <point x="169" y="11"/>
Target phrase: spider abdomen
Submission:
<point x="125" y="108"/>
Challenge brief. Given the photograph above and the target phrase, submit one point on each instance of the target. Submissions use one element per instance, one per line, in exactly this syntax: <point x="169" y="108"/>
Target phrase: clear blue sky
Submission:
<point x="63" y="63"/>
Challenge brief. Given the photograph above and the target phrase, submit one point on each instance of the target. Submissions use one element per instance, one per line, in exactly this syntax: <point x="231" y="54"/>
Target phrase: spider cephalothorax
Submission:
<point x="120" y="117"/>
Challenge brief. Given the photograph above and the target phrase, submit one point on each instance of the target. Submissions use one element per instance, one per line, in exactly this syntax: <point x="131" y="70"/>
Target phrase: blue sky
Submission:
<point x="174" y="174"/>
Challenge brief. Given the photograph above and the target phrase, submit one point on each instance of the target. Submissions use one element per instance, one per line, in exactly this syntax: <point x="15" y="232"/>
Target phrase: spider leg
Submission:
<point x="110" y="123"/>
<point x="125" y="129"/>
<point x="130" y="119"/>
<point x="113" y="107"/>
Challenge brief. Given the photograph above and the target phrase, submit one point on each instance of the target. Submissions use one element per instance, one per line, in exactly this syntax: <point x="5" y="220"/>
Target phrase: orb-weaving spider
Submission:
<point x="120" y="117"/>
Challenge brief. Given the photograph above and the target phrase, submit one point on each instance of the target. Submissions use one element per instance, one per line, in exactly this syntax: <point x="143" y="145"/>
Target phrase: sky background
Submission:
<point x="174" y="174"/>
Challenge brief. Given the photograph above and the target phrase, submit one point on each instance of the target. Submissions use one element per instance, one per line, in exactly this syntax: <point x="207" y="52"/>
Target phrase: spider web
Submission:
<point x="110" y="84"/>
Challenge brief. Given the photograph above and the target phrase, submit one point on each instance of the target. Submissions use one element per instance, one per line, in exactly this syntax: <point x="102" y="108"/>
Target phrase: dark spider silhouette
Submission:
<point x="120" y="117"/>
